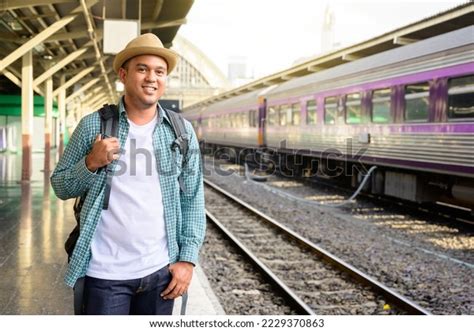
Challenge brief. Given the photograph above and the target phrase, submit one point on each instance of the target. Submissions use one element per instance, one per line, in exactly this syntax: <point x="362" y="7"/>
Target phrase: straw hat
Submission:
<point x="146" y="44"/>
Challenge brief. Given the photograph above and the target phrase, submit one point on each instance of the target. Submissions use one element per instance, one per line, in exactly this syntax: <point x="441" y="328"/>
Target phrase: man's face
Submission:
<point x="144" y="79"/>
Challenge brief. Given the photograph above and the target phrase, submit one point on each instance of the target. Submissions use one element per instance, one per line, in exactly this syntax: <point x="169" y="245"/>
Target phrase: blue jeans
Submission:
<point x="128" y="297"/>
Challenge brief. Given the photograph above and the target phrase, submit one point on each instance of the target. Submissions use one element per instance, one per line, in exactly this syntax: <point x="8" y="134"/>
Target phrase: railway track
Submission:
<point x="441" y="213"/>
<point x="310" y="278"/>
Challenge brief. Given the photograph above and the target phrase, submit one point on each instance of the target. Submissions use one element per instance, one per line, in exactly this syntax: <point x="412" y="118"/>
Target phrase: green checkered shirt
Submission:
<point x="183" y="211"/>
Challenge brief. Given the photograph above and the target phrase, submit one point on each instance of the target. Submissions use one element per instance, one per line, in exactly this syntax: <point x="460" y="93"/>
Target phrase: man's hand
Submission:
<point x="103" y="152"/>
<point x="181" y="273"/>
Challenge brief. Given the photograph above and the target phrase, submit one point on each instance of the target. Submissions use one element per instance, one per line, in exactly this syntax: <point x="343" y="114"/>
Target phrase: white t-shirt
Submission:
<point x="130" y="239"/>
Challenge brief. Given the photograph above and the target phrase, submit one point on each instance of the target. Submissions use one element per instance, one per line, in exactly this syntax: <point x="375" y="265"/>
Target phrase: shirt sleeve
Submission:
<point x="192" y="202"/>
<point x="71" y="178"/>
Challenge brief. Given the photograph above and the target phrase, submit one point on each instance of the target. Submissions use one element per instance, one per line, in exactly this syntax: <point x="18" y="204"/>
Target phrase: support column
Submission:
<point x="62" y="115"/>
<point x="48" y="121"/>
<point x="26" y="114"/>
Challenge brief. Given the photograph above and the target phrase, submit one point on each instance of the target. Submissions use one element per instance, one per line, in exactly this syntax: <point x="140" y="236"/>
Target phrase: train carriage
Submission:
<point x="409" y="110"/>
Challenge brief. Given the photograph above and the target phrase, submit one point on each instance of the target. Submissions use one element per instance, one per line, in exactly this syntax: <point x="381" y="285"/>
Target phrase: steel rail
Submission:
<point x="295" y="302"/>
<point x="364" y="279"/>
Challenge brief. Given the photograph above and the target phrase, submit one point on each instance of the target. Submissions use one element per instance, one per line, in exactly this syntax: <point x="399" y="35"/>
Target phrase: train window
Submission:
<point x="283" y="115"/>
<point x="330" y="110"/>
<point x="353" y="108"/>
<point x="311" y="117"/>
<point x="461" y="98"/>
<point x="296" y="114"/>
<point x="253" y="118"/>
<point x="416" y="102"/>
<point x="238" y="122"/>
<point x="272" y="116"/>
<point x="381" y="106"/>
<point x="245" y="119"/>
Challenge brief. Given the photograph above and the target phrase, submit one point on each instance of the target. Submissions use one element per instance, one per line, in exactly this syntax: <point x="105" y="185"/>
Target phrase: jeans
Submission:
<point x="128" y="297"/>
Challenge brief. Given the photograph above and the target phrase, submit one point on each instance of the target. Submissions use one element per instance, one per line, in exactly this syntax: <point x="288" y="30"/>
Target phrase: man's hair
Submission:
<point x="125" y="64"/>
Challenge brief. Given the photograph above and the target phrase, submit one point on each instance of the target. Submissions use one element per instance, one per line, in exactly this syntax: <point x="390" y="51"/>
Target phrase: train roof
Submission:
<point x="457" y="47"/>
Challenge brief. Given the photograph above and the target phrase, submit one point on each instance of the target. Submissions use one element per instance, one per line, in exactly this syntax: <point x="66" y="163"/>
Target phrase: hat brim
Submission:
<point x="168" y="55"/>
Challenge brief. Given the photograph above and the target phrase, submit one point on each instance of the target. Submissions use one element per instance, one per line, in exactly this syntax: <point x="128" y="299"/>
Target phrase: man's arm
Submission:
<point x="71" y="178"/>
<point x="192" y="203"/>
<point x="194" y="221"/>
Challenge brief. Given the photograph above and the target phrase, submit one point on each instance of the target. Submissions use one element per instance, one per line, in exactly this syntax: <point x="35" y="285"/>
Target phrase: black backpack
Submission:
<point x="109" y="117"/>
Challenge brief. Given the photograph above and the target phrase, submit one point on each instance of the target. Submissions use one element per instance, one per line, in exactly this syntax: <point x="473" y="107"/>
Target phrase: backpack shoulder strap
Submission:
<point x="182" y="140"/>
<point x="179" y="128"/>
<point x="109" y="118"/>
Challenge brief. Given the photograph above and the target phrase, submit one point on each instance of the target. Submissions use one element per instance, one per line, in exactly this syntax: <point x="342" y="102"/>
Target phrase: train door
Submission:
<point x="262" y="115"/>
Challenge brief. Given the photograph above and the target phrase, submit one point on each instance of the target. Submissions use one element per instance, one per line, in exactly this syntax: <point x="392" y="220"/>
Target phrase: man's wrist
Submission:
<point x="89" y="165"/>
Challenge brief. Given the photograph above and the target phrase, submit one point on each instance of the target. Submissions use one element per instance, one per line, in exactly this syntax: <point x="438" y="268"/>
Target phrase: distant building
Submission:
<point x="237" y="71"/>
<point x="328" y="35"/>
<point x="195" y="78"/>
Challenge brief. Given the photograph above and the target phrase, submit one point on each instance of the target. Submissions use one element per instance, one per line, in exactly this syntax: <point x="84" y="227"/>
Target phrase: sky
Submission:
<point x="273" y="34"/>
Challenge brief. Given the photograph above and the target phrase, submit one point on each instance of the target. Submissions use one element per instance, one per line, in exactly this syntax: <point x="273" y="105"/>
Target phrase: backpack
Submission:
<point x="109" y="117"/>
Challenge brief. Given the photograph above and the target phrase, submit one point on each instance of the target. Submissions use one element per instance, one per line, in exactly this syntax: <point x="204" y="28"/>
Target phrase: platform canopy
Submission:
<point x="66" y="38"/>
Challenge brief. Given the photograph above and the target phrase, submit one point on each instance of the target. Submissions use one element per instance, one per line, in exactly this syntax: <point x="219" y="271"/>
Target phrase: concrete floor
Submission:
<point x="33" y="227"/>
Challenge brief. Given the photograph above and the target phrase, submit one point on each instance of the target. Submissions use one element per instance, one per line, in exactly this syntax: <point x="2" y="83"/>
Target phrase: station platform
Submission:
<point x="33" y="227"/>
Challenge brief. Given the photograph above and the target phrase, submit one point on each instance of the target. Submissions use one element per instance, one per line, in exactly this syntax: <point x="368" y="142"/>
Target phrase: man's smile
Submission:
<point x="149" y="88"/>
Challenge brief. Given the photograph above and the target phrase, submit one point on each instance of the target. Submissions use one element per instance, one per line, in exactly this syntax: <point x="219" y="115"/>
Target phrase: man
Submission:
<point x="137" y="255"/>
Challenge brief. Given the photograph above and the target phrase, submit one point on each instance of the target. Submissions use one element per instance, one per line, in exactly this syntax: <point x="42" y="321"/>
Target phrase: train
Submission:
<point x="409" y="111"/>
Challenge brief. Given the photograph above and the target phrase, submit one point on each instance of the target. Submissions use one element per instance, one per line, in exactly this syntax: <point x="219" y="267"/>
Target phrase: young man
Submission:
<point x="138" y="254"/>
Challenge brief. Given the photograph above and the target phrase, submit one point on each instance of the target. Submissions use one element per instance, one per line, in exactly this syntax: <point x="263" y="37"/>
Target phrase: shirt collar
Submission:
<point x="161" y="113"/>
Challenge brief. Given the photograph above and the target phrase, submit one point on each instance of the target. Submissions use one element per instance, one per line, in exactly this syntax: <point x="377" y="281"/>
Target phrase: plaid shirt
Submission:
<point x="183" y="211"/>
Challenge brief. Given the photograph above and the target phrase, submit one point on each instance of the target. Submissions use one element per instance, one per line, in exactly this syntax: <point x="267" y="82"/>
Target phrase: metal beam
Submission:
<point x="27" y="108"/>
<point x="403" y="41"/>
<point x="96" y="99"/>
<point x="149" y="25"/>
<point x="72" y="81"/>
<point x="62" y="114"/>
<point x="93" y="38"/>
<point x="157" y="10"/>
<point x="58" y="66"/>
<point x="15" y="80"/>
<point x="163" y="24"/>
<point x="6" y="37"/>
<point x="15" y="4"/>
<point x="30" y="44"/>
<point x="48" y="121"/>
<point x="313" y="68"/>
<point x="13" y="76"/>
<point x="349" y="57"/>
<point x="73" y="35"/>
<point x="40" y="37"/>
<point x="287" y="77"/>
<point x="82" y="89"/>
